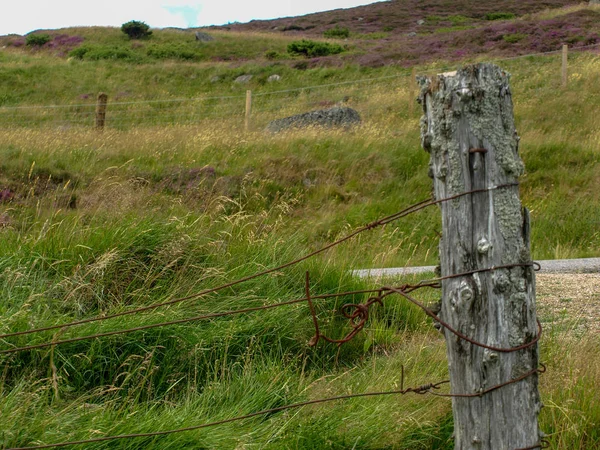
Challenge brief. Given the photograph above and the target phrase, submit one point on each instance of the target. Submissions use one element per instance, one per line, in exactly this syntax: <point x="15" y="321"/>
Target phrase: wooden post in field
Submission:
<point x="468" y="129"/>
<point x="565" y="55"/>
<point x="101" y="110"/>
<point x="411" y="91"/>
<point x="248" y="110"/>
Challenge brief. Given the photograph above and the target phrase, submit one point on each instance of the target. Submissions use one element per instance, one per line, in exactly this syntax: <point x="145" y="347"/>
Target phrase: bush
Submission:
<point x="337" y="33"/>
<point x="272" y="55"/>
<point x="37" y="40"/>
<point x="312" y="49"/>
<point x="514" y="38"/>
<point x="292" y="28"/>
<point x="136" y="30"/>
<point x="499" y="16"/>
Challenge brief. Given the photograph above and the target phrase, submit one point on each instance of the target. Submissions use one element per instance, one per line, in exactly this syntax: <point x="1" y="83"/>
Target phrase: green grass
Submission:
<point x="99" y="223"/>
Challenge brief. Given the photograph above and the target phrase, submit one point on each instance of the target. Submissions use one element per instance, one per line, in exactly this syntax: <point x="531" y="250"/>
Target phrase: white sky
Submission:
<point x="23" y="16"/>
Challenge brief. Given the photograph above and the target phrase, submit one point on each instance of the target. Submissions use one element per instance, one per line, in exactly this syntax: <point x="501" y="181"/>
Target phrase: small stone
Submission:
<point x="243" y="79"/>
<point x="203" y="37"/>
<point x="412" y="34"/>
<point x="215" y="79"/>
<point x="274" y="78"/>
<point x="420" y="22"/>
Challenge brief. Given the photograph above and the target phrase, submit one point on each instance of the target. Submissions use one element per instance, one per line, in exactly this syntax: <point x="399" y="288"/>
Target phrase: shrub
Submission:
<point x="272" y="55"/>
<point x="136" y="30"/>
<point x="514" y="38"/>
<point x="458" y="19"/>
<point x="499" y="16"/>
<point x="337" y="33"/>
<point x="388" y="28"/>
<point x="292" y="28"/>
<point x="311" y="49"/>
<point x="37" y="40"/>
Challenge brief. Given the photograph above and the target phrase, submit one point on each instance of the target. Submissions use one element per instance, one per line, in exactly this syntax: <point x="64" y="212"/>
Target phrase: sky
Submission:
<point x="23" y="16"/>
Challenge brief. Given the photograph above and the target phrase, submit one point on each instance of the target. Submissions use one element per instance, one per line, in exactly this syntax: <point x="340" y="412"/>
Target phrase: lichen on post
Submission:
<point x="468" y="130"/>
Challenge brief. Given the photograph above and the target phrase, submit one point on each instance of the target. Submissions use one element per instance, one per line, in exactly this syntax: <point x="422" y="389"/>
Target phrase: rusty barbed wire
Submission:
<point x="428" y="388"/>
<point x="186" y="320"/>
<point x="381" y="222"/>
<point x="358" y="317"/>
<point x="483" y="392"/>
<point x="357" y="314"/>
<point x="435" y="317"/>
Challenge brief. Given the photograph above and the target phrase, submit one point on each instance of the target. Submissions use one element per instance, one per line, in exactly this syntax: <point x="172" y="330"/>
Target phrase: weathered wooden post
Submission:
<point x="565" y="62"/>
<point x="101" y="110"/>
<point x="248" y="110"/>
<point x="468" y="129"/>
<point x="411" y="91"/>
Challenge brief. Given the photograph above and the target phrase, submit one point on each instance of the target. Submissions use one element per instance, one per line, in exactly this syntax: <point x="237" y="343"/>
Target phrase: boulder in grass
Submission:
<point x="203" y="37"/>
<point x="336" y="117"/>
<point x="243" y="79"/>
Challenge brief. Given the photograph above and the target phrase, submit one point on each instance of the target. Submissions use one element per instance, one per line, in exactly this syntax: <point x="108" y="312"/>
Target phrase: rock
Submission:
<point x="203" y="37"/>
<point x="412" y="34"/>
<point x="273" y="78"/>
<point x="420" y="22"/>
<point x="338" y="116"/>
<point x="243" y="79"/>
<point x="360" y="19"/>
<point x="215" y="79"/>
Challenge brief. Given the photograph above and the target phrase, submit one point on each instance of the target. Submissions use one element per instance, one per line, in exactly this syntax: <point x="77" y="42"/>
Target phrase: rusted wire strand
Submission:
<point x="429" y="388"/>
<point x="358" y="314"/>
<point x="418" y="390"/>
<point x="405" y="212"/>
<point x="186" y="320"/>
<point x="496" y="387"/>
<point x="435" y="317"/>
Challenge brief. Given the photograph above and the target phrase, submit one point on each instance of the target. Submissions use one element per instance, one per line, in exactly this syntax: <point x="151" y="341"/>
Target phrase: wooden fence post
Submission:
<point x="101" y="110"/>
<point x="248" y="110"/>
<point x="565" y="55"/>
<point x="468" y="129"/>
<point x="411" y="91"/>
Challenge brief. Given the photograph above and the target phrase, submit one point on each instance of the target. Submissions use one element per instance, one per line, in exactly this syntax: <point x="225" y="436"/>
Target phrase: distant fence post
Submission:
<point x="101" y="110"/>
<point x="565" y="55"/>
<point x="468" y="129"/>
<point x="248" y="110"/>
<point x="412" y="91"/>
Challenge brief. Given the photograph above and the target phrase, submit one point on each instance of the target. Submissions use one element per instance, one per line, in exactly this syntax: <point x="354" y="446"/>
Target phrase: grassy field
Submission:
<point x="99" y="223"/>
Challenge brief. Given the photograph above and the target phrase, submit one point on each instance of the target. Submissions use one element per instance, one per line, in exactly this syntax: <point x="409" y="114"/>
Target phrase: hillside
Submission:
<point x="402" y="32"/>
<point x="175" y="198"/>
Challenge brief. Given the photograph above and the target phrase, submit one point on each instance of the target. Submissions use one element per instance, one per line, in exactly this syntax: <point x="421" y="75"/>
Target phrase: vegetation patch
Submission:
<point x="37" y="40"/>
<point x="136" y="29"/>
<point x="499" y="16"/>
<point x="312" y="49"/>
<point x="337" y="33"/>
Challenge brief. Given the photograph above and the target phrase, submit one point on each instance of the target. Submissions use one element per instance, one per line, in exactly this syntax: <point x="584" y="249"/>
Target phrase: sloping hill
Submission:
<point x="401" y="16"/>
